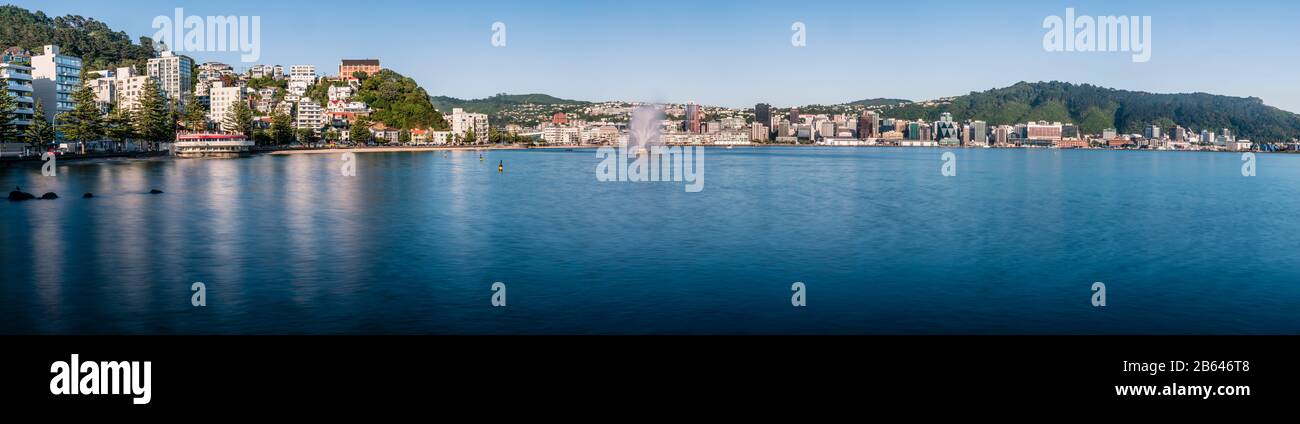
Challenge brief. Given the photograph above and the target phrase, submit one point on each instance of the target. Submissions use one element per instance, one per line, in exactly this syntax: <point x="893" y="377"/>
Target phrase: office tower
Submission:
<point x="693" y="117"/>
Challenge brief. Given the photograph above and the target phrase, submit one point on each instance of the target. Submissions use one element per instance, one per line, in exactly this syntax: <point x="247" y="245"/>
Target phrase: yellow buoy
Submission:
<point x="501" y="166"/>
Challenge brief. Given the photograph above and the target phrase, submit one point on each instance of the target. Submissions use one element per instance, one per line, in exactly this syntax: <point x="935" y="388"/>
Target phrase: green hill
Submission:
<point x="498" y="103"/>
<point x="98" y="45"/>
<point x="398" y="101"/>
<point x="878" y="102"/>
<point x="1096" y="108"/>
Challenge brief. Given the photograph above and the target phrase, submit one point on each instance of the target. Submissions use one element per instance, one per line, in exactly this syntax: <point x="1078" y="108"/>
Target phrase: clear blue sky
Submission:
<point x="737" y="53"/>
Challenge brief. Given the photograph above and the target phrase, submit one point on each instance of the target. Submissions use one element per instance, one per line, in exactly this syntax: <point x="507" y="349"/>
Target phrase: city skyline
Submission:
<point x="675" y="54"/>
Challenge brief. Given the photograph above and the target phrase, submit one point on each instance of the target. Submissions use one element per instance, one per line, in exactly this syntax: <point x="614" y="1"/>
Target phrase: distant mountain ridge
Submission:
<point x="878" y="102"/>
<point x="499" y="102"/>
<point x="1096" y="108"/>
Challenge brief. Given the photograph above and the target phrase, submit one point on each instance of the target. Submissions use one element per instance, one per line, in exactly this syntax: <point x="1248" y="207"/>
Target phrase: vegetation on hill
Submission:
<point x="93" y="41"/>
<point x="1096" y="108"/>
<point x="495" y="104"/>
<point x="397" y="101"/>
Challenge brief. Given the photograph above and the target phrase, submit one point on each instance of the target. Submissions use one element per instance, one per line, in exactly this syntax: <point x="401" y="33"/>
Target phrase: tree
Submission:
<point x="41" y="132"/>
<point x="306" y="136"/>
<point x="196" y="117"/>
<point x="470" y="138"/>
<point x="332" y="135"/>
<point x="360" y="131"/>
<point x="119" y="127"/>
<point x="281" y="128"/>
<point x="152" y="119"/>
<point x="8" y="128"/>
<point x="239" y="119"/>
<point x="404" y="137"/>
<point x="84" y="123"/>
<point x="261" y="137"/>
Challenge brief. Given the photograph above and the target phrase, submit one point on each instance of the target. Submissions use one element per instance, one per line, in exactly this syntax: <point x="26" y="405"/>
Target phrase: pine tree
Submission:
<point x="119" y="127"/>
<point x="152" y="119"/>
<point x="360" y="131"/>
<point x="8" y="128"/>
<point x="41" y="132"/>
<point x="281" y="129"/>
<point x="196" y="117"/>
<point x="84" y="123"/>
<point x="239" y="119"/>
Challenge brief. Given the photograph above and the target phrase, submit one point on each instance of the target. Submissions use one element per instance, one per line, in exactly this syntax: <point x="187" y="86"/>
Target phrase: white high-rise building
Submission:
<point x="54" y="78"/>
<point x="462" y="123"/>
<point x="174" y="74"/>
<point x="309" y="115"/>
<point x="301" y="77"/>
<point x="17" y="79"/>
<point x="223" y="101"/>
<point x="120" y="87"/>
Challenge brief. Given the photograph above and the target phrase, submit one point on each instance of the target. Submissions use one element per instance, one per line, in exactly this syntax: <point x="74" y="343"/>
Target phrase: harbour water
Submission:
<point x="884" y="243"/>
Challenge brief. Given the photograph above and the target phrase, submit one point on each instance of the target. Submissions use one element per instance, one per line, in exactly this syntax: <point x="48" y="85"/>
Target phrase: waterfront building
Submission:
<point x="763" y="114"/>
<point x="17" y="80"/>
<point x="309" y="115"/>
<point x="691" y="121"/>
<point x="462" y="123"/>
<point x="561" y="135"/>
<point x="204" y="144"/>
<point x="794" y="116"/>
<point x="758" y="132"/>
<point x="224" y="99"/>
<point x="1151" y="132"/>
<point x="868" y="126"/>
<point x="1108" y="134"/>
<point x="173" y="74"/>
<point x="54" y="78"/>
<point x="977" y="134"/>
<point x="559" y="119"/>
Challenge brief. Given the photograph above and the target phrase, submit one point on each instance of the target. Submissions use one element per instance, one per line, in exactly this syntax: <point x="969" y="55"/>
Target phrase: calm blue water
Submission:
<point x="884" y="243"/>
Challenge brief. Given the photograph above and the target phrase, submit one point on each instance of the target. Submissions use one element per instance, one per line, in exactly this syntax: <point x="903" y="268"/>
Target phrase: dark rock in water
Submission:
<point x="155" y="191"/>
<point x="18" y="195"/>
<point x="49" y="196"/>
<point x="87" y="195"/>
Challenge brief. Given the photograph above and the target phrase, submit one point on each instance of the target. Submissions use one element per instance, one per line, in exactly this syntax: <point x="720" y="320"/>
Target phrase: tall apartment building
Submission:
<point x="462" y="123"/>
<point x="54" y="78"/>
<point x="310" y="115"/>
<point x="223" y="99"/>
<point x="175" y="75"/>
<point x="120" y="87"/>
<point x="17" y="80"/>
<point x="301" y="77"/>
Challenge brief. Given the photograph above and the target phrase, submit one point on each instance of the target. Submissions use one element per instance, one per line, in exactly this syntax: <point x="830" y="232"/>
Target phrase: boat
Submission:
<point x="211" y="144"/>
